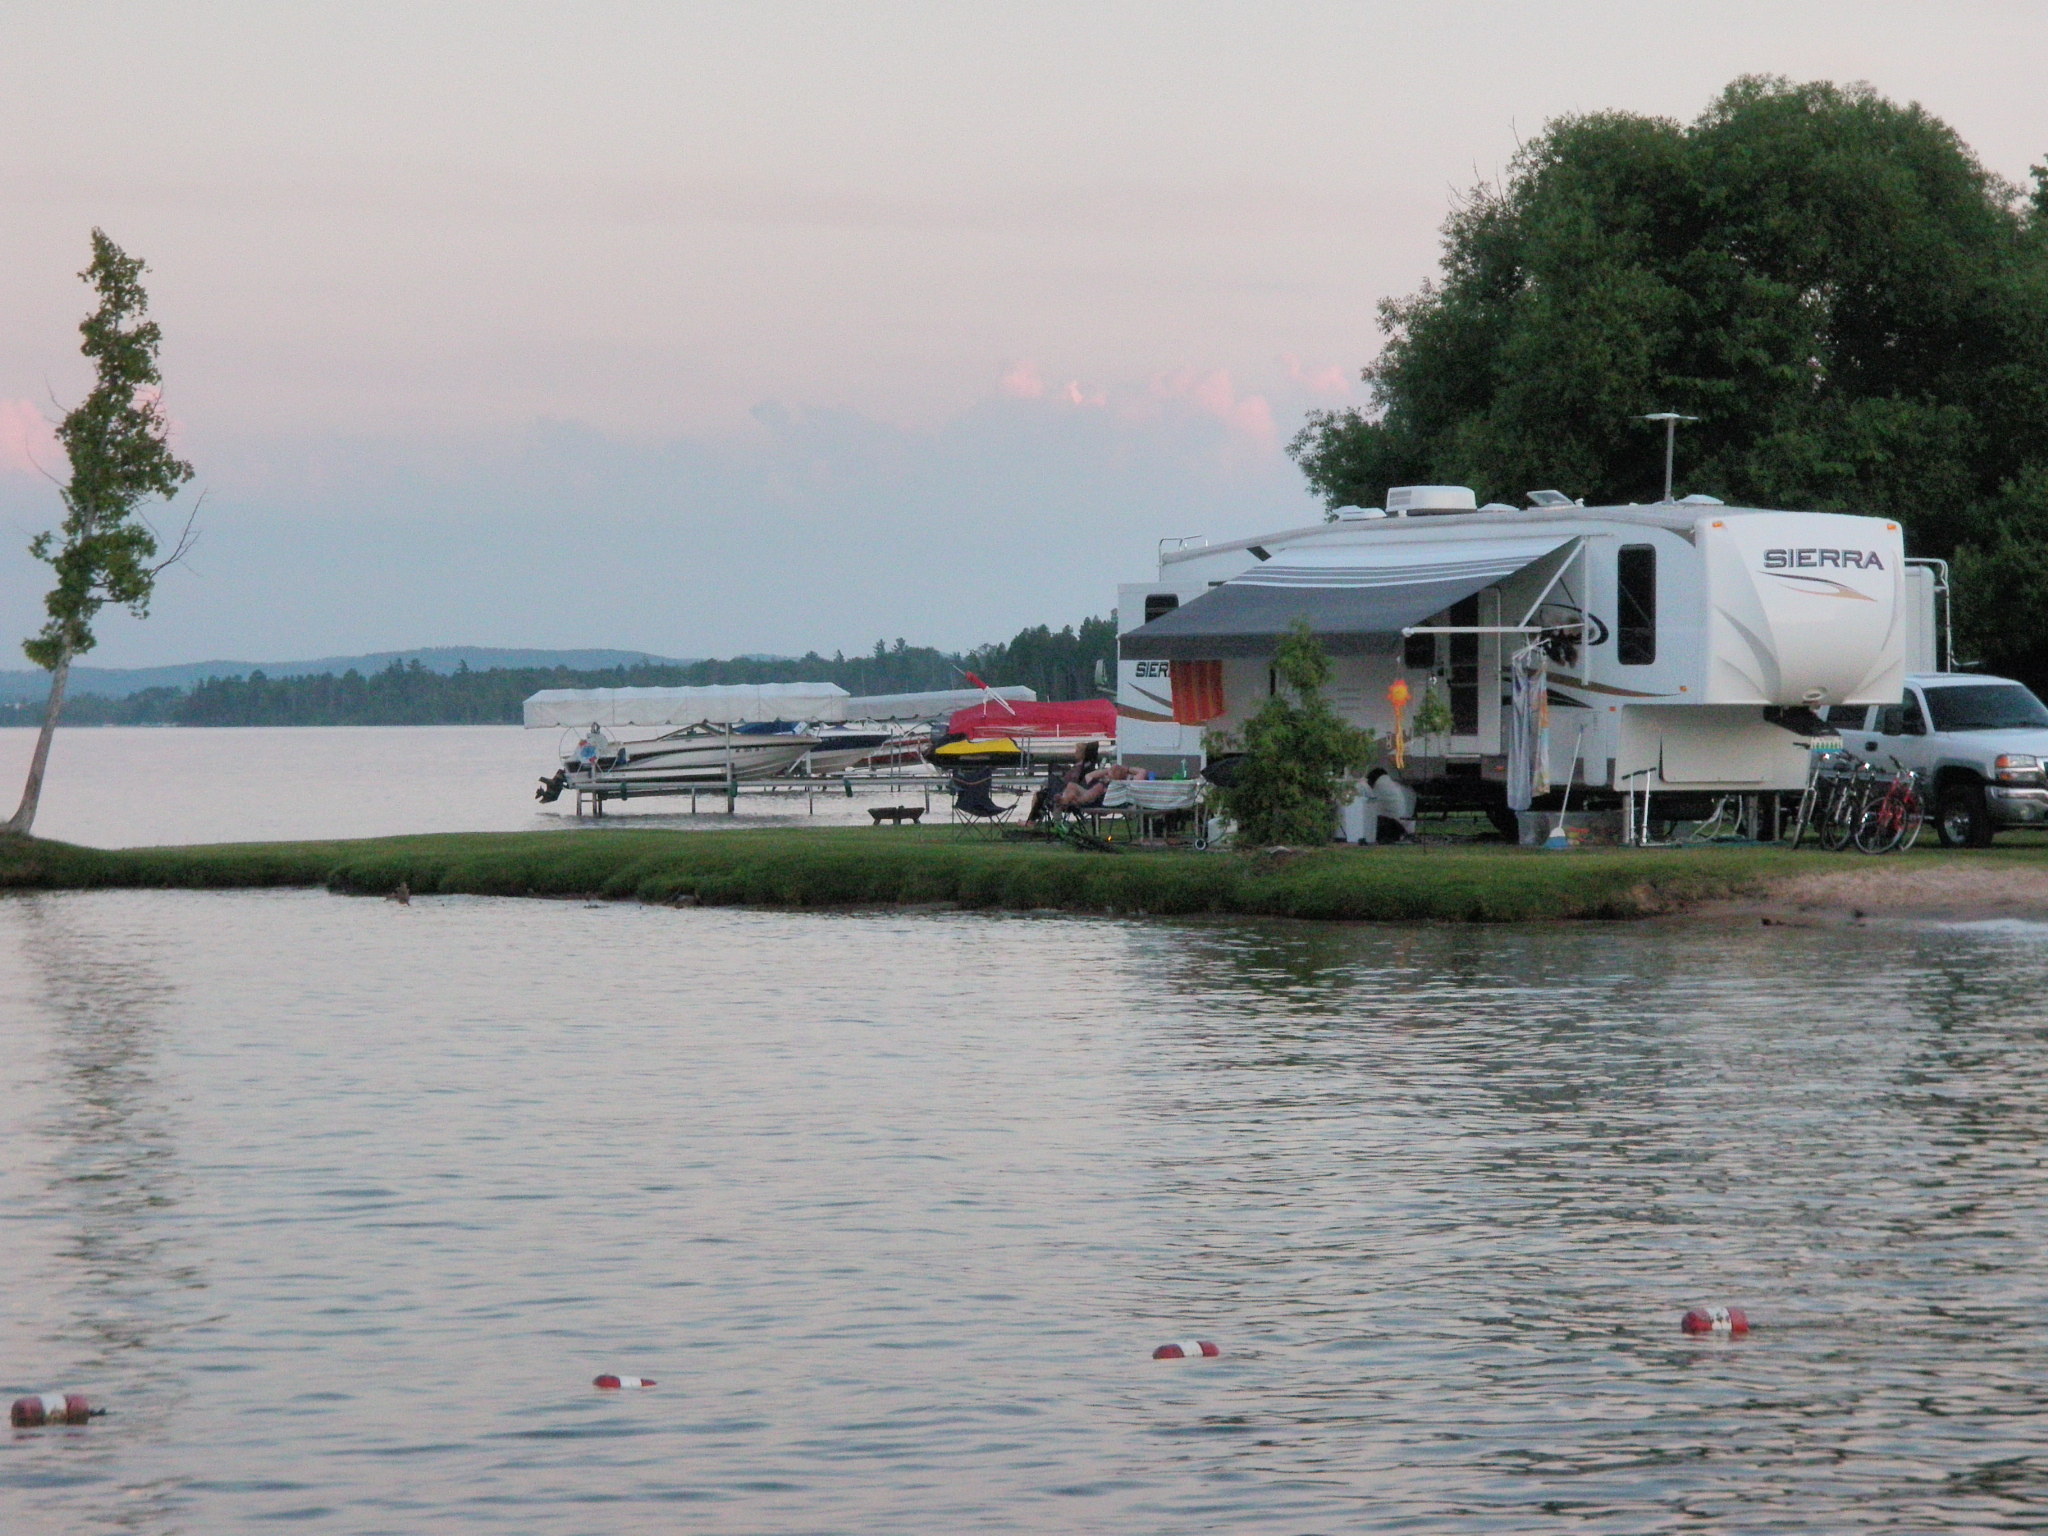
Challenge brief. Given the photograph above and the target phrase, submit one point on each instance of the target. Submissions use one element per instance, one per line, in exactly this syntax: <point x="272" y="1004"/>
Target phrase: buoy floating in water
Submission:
<point x="52" y="1408"/>
<point x="1729" y="1320"/>
<point x="1187" y="1349"/>
<point x="613" y="1383"/>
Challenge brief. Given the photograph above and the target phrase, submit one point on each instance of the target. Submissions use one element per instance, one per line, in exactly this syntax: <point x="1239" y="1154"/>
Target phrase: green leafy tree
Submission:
<point x="1298" y="754"/>
<point x="1433" y="717"/>
<point x="116" y="441"/>
<point x="1854" y="307"/>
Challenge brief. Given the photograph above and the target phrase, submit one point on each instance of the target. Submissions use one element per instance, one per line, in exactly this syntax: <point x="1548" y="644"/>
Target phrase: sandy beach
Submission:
<point x="1959" y="889"/>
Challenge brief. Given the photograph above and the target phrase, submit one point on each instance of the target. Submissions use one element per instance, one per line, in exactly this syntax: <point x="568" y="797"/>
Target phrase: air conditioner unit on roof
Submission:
<point x="1422" y="500"/>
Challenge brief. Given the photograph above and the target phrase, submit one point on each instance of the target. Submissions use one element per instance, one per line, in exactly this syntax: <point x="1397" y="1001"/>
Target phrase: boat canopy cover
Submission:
<point x="746" y="704"/>
<point x="732" y="704"/>
<point x="1026" y="722"/>
<point x="1354" y="596"/>
<point x="924" y="706"/>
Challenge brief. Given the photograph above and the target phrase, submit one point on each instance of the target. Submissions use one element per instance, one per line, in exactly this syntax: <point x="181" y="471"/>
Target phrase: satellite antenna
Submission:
<point x="1671" y="419"/>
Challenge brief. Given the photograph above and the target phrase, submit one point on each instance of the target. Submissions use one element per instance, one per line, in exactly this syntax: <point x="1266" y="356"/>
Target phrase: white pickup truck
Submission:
<point x="1978" y="742"/>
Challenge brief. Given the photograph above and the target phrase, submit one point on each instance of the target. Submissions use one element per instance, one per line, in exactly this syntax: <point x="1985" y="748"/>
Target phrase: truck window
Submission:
<point x="1985" y="707"/>
<point x="1635" y="603"/>
<point x="1159" y="604"/>
<point x="1847" y="717"/>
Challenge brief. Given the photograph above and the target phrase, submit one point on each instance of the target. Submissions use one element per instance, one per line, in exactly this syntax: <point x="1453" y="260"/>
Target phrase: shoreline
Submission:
<point x="940" y="866"/>
<point x="1951" y="888"/>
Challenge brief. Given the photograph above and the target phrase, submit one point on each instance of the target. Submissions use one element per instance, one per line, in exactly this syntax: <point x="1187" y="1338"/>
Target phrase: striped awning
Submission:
<point x="1355" y="597"/>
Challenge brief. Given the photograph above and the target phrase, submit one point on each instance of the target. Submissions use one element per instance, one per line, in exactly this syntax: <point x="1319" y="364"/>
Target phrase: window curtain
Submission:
<point x="1197" y="691"/>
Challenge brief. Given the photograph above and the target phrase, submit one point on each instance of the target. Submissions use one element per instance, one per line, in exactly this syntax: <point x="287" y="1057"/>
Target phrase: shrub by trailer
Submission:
<point x="1680" y="647"/>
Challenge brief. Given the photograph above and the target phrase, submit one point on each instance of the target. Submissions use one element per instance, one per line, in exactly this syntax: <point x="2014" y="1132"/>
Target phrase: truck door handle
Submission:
<point x="1870" y="746"/>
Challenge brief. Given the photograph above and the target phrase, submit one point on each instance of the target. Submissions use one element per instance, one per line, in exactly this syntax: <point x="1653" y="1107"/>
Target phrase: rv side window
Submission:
<point x="1635" y="602"/>
<point x="1418" y="652"/>
<point x="1159" y="604"/>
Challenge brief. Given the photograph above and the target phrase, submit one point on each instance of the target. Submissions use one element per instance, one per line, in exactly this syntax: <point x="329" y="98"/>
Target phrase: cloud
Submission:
<point x="811" y="527"/>
<point x="1251" y="416"/>
<point x="1331" y="379"/>
<point x="1023" y="383"/>
<point x="28" y="446"/>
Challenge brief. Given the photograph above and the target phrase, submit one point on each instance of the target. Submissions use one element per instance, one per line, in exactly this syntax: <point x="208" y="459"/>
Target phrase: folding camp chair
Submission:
<point x="973" y="805"/>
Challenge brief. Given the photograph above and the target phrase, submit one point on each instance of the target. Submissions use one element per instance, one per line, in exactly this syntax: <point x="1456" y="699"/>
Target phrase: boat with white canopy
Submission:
<point x="724" y="734"/>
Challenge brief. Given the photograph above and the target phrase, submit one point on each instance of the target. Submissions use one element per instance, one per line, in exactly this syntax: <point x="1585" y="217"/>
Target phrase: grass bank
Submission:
<point x="840" y="867"/>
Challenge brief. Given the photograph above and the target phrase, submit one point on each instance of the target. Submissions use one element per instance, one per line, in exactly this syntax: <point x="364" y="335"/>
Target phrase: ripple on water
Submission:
<point x="343" y="1204"/>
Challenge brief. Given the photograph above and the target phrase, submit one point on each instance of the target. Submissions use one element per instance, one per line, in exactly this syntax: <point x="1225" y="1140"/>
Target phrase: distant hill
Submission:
<point x="31" y="687"/>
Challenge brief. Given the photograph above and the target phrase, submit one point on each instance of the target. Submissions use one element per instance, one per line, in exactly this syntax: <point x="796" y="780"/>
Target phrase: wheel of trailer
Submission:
<point x="1964" y="820"/>
<point x="1505" y="822"/>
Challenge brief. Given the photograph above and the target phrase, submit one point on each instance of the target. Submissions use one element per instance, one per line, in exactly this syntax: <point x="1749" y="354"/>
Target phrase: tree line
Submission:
<point x="1057" y="664"/>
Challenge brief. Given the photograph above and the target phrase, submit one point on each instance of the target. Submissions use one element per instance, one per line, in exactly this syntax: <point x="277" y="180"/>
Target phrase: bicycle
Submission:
<point x="1892" y="822"/>
<point x="1847" y="796"/>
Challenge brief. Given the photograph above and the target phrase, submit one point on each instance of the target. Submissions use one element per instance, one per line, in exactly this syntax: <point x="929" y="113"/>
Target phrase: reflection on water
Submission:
<point x="896" y="1207"/>
<point x="92" y="1196"/>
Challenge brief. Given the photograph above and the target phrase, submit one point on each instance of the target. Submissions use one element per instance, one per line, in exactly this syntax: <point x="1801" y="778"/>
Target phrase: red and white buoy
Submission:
<point x="614" y="1383"/>
<point x="52" y="1408"/>
<point x="1187" y="1349"/>
<point x="1729" y="1320"/>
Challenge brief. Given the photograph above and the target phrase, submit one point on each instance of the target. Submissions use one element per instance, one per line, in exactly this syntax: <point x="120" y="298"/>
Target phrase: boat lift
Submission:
<point x="733" y="705"/>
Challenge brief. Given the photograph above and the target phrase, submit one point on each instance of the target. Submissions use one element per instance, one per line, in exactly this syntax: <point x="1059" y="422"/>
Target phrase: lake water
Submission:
<point x="340" y="1205"/>
<point x="124" y="786"/>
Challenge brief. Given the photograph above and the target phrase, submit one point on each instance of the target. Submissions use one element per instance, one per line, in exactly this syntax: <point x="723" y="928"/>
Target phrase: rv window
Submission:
<point x="1635" y="603"/>
<point x="1418" y="652"/>
<point x="1159" y="604"/>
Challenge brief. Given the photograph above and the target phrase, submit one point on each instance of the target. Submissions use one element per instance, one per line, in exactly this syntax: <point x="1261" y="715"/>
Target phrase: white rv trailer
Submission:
<point x="1680" y="646"/>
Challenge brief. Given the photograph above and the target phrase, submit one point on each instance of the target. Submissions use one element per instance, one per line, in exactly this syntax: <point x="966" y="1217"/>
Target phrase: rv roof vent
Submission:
<point x="1697" y="500"/>
<point x="1353" y="514"/>
<point x="1499" y="506"/>
<point x="1550" y="499"/>
<point x="1424" y="500"/>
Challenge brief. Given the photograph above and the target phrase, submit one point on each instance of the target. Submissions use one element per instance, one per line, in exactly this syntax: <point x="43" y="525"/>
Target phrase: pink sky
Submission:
<point x="388" y="239"/>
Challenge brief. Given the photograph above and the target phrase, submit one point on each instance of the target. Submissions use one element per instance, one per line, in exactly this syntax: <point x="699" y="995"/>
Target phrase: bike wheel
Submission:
<point x="1879" y="829"/>
<point x="1838" y="827"/>
<point x="1914" y="812"/>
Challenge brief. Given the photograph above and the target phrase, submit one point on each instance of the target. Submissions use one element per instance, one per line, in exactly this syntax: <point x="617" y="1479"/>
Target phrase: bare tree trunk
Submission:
<point x="32" y="793"/>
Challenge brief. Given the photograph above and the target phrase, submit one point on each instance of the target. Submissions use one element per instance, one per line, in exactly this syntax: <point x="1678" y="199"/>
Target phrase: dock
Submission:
<point x="722" y="796"/>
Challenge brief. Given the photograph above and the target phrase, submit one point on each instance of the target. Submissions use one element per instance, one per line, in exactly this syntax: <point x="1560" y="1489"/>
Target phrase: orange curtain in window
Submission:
<point x="1197" y="691"/>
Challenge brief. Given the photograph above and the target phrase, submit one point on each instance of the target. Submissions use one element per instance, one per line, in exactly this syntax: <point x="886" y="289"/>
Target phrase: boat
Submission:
<point x="696" y="754"/>
<point x="841" y="747"/>
<point x="731" y="733"/>
<point x="1050" y="730"/>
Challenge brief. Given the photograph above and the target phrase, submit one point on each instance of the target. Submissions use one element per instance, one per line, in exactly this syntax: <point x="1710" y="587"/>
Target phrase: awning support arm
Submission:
<point x="1477" y="629"/>
<point x="1556" y="576"/>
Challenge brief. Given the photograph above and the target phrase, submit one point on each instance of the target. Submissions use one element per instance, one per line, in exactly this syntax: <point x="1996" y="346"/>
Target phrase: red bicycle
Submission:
<point x="1891" y="823"/>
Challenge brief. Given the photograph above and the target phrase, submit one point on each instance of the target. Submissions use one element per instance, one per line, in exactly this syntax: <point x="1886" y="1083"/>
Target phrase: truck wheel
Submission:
<point x="1965" y="820"/>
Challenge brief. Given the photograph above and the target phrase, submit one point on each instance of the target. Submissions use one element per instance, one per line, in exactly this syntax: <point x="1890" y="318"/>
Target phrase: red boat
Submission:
<point x="1055" y="728"/>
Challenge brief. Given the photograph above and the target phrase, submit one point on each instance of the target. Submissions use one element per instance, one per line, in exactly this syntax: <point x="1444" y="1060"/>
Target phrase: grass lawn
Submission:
<point x="860" y="866"/>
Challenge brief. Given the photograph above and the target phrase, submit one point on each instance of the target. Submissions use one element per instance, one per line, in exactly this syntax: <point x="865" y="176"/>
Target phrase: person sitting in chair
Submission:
<point x="1093" y="785"/>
